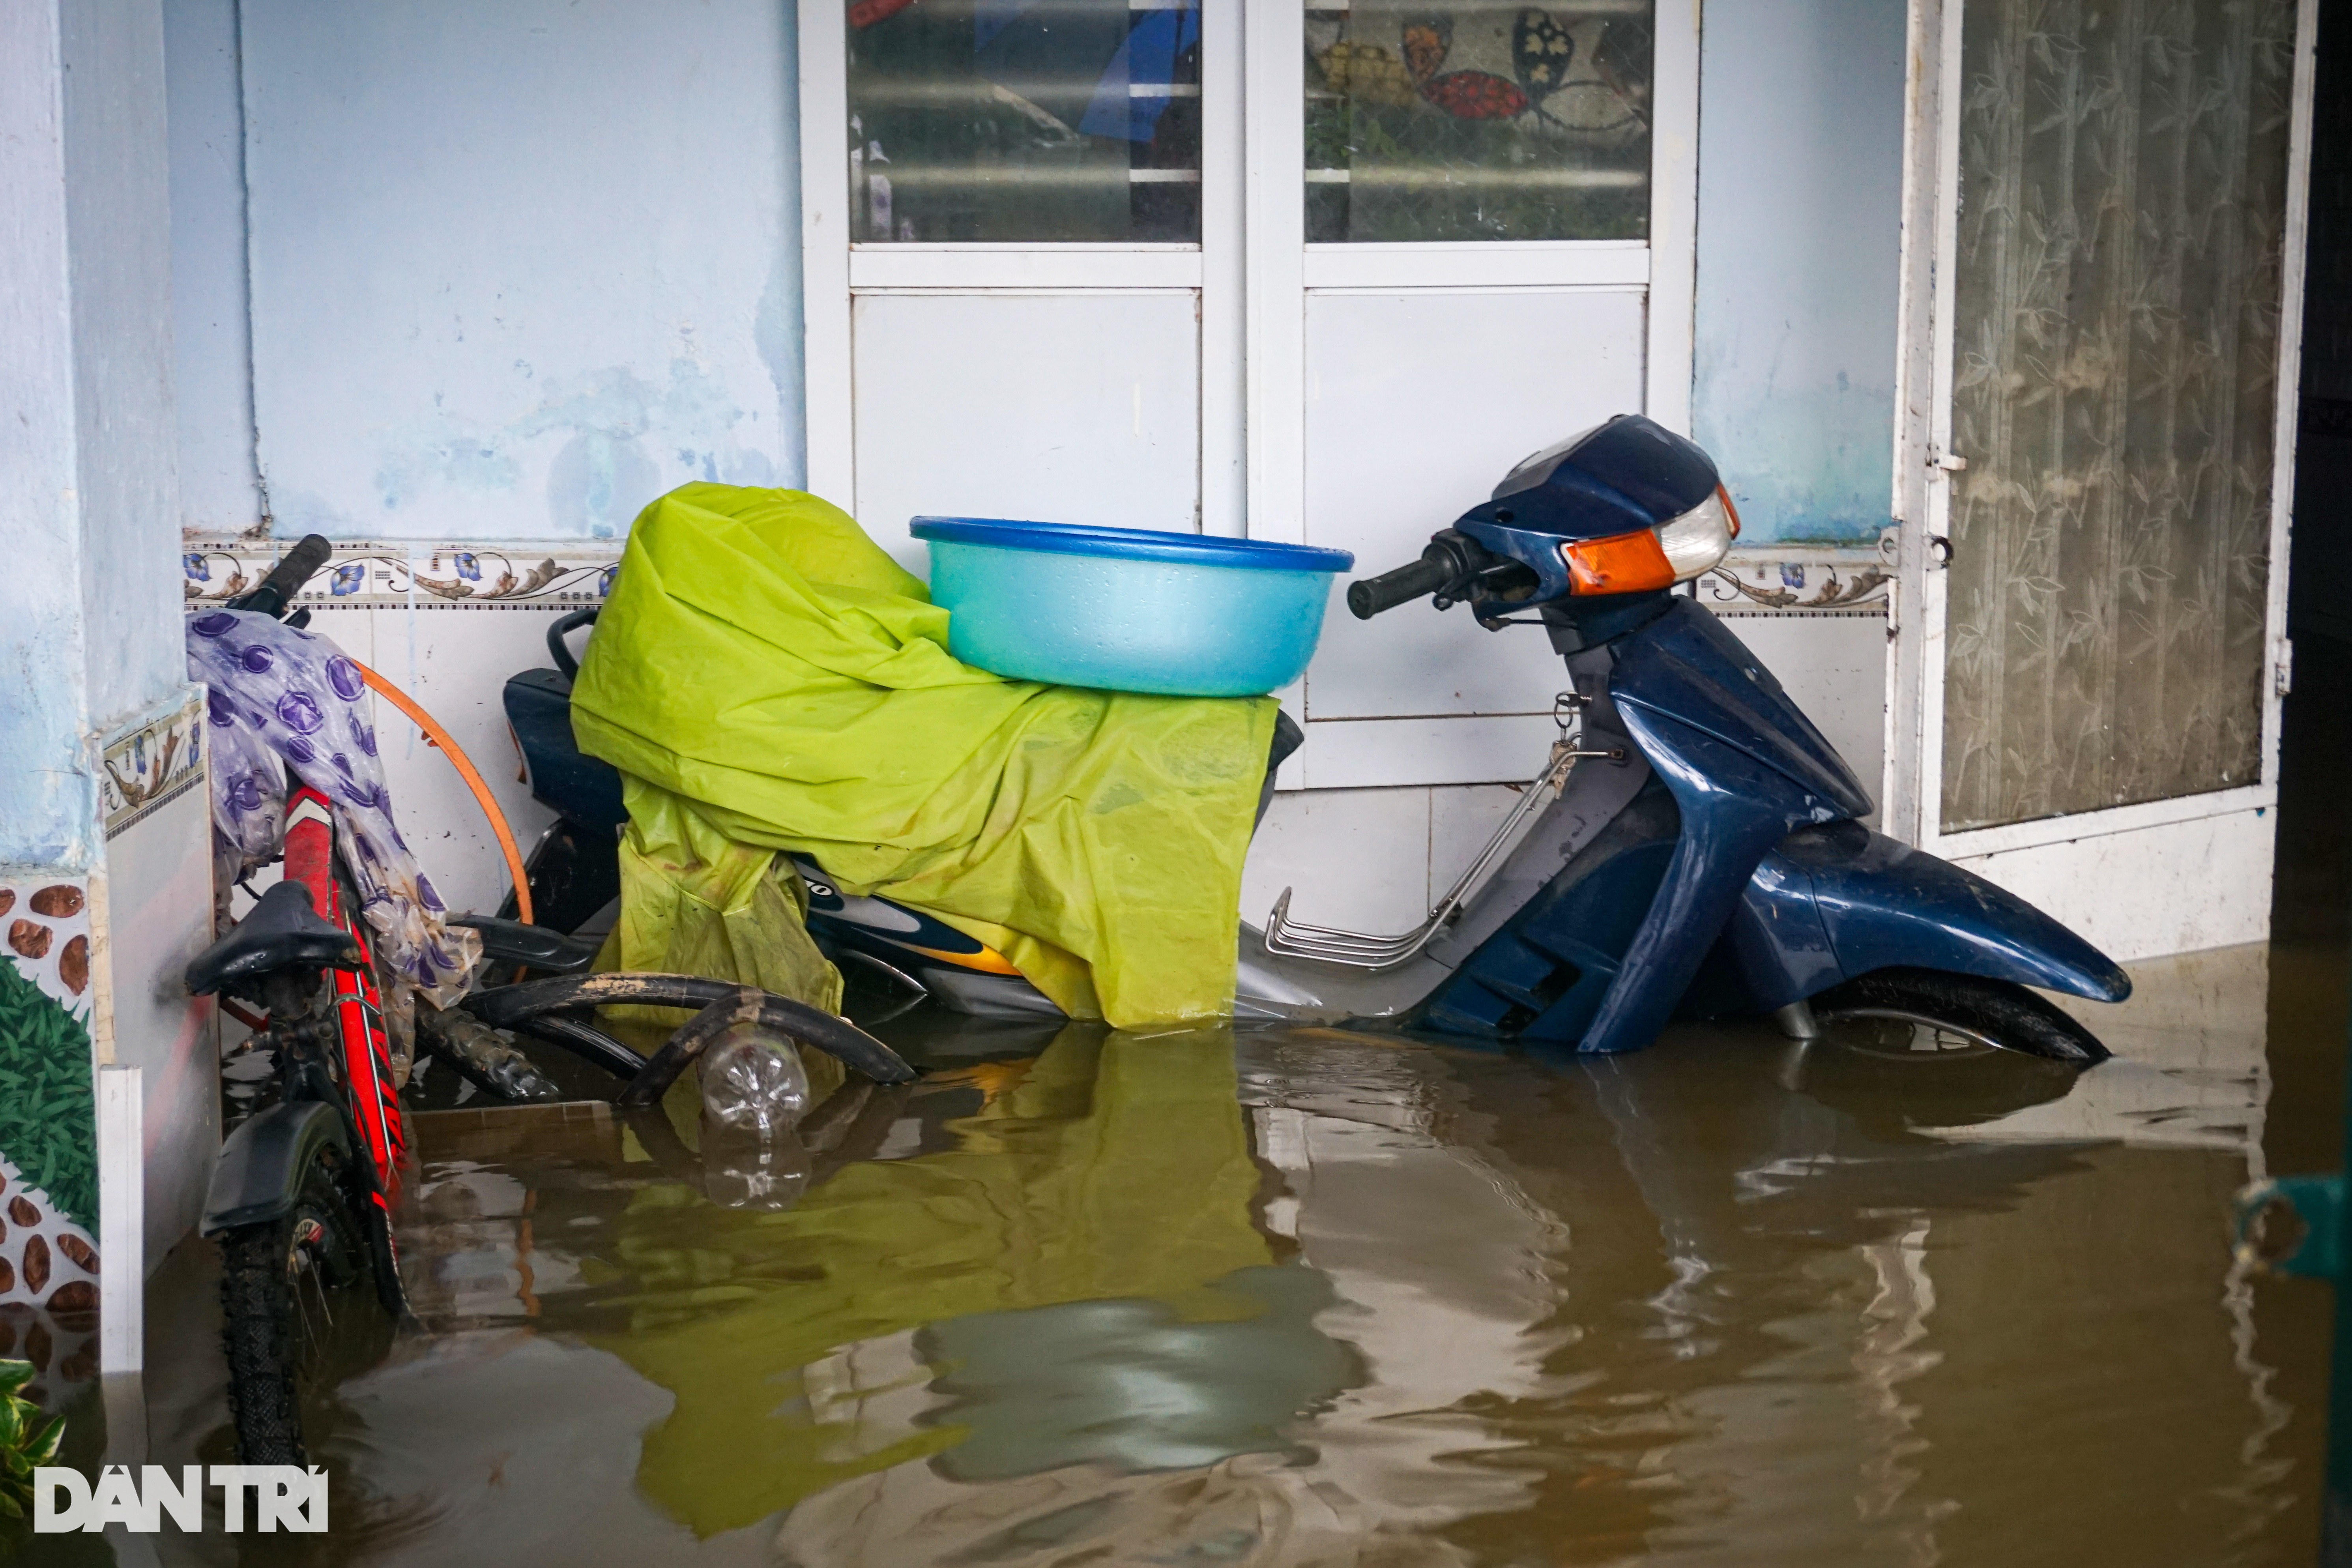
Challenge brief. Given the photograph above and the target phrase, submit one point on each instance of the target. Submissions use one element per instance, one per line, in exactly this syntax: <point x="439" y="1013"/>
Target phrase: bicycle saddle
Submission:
<point x="281" y="932"/>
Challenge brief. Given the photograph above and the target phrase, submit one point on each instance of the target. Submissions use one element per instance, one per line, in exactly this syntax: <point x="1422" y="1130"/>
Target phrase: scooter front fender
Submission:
<point x="1884" y="903"/>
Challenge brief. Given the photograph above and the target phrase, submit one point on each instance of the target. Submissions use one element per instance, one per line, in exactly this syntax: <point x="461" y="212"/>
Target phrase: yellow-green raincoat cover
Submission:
<point x="766" y="678"/>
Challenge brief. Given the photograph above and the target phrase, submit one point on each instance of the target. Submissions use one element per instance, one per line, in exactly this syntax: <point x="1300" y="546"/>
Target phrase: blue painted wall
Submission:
<point x="89" y="603"/>
<point x="571" y="275"/>
<point x="514" y="269"/>
<point x="1800" y="176"/>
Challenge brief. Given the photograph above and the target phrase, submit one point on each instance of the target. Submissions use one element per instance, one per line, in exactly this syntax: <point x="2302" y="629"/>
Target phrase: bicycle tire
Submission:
<point x="275" y="1339"/>
<point x="2000" y="1013"/>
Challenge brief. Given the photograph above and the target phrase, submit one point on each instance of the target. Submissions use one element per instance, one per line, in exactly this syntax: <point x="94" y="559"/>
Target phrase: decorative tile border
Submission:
<point x="1793" y="579"/>
<point x="1798" y="581"/>
<point x="534" y="574"/>
<point x="150" y="763"/>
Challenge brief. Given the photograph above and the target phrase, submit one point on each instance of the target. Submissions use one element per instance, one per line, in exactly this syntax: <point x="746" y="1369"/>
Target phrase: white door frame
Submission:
<point x="1923" y="466"/>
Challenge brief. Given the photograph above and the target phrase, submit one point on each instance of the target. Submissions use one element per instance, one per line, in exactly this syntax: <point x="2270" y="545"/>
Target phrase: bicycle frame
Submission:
<point x="357" y="1007"/>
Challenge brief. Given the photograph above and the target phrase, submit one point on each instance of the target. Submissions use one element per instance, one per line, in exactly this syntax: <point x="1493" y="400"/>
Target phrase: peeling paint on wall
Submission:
<point x="517" y="270"/>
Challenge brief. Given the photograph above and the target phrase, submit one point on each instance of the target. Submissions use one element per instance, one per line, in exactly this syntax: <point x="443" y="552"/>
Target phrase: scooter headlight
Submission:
<point x="1674" y="551"/>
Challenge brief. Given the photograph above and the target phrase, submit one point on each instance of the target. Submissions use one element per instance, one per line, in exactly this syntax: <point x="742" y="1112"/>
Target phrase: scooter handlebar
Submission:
<point x="286" y="580"/>
<point x="1367" y="597"/>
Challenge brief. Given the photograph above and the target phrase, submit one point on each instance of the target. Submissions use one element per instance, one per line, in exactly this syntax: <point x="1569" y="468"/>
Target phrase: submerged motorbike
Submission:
<point x="1691" y="848"/>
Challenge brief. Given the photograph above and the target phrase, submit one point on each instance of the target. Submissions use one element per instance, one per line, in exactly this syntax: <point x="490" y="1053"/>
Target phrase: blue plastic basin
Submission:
<point x="1129" y="609"/>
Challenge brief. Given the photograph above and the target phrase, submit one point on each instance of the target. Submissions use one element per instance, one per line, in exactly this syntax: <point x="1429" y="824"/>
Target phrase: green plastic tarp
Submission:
<point x="767" y="679"/>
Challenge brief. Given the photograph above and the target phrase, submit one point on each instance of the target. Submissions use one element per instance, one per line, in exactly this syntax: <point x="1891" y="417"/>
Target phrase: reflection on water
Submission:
<point x="1312" y="1297"/>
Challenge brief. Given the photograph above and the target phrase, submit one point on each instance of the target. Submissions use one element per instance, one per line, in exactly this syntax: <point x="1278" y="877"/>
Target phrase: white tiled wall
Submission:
<point x="1367" y="860"/>
<point x="1376" y="860"/>
<point x="455" y="661"/>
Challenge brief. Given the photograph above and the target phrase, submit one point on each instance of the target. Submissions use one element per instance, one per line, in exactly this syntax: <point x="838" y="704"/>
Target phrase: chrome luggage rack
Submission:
<point x="1287" y="938"/>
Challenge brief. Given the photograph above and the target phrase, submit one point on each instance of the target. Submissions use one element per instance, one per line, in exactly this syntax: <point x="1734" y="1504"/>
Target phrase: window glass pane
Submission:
<point x="2116" y="304"/>
<point x="1436" y="119"/>
<point x="1024" y="120"/>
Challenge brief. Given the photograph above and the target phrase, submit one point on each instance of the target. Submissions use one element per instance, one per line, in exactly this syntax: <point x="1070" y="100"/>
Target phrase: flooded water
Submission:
<point x="1313" y="1297"/>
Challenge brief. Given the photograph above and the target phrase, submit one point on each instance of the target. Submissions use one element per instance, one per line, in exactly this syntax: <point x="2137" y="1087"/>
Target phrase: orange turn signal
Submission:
<point x="1621" y="563"/>
<point x="1728" y="509"/>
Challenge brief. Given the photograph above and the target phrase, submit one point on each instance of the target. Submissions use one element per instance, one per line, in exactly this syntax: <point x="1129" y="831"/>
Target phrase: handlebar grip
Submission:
<point x="1367" y="597"/>
<point x="561" y="652"/>
<point x="286" y="577"/>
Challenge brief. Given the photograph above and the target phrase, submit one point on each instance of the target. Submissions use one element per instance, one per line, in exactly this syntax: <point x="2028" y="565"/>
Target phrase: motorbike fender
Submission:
<point x="1734" y="808"/>
<point x="259" y="1171"/>
<point x="1884" y="903"/>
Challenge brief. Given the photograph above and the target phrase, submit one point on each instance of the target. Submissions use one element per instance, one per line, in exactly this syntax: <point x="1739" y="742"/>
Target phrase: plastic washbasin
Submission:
<point x="1129" y="609"/>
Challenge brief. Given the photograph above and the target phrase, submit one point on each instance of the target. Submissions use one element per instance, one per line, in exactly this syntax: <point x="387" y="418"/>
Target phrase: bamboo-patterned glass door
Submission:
<point x="2116" y="303"/>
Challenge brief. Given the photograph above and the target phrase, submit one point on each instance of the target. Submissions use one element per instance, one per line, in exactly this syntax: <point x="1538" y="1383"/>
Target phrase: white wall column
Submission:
<point x="105" y="883"/>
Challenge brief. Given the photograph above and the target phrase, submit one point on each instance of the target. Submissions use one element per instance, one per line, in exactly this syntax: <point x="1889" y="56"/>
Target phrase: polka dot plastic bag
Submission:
<point x="279" y="699"/>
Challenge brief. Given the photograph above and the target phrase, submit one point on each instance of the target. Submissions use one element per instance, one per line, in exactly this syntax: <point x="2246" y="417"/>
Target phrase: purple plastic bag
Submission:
<point x="279" y="699"/>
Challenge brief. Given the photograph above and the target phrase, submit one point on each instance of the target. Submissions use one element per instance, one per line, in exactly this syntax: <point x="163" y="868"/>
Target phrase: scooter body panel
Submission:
<point x="1546" y="972"/>
<point x="1744" y="766"/>
<point x="1733" y="809"/>
<point x="1687" y="666"/>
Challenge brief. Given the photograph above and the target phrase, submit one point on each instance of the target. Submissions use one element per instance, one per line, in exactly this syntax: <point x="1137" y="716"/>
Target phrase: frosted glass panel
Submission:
<point x="2123" y="170"/>
<point x="1388" y="462"/>
<point x="1025" y="121"/>
<point x="1066" y="408"/>
<point x="1472" y="121"/>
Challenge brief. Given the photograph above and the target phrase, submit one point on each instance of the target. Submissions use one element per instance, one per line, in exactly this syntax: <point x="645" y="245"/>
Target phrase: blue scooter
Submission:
<point x="1694" y="849"/>
<point x="1690" y="848"/>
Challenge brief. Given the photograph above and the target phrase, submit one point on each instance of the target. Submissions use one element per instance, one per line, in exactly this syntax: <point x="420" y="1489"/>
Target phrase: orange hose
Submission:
<point x="466" y="770"/>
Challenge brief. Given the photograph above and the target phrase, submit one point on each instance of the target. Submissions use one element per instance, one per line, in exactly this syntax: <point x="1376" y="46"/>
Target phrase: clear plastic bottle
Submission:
<point x="752" y="1083"/>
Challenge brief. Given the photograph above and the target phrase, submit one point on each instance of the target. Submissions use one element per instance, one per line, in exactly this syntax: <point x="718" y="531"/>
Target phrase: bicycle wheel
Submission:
<point x="1930" y="1015"/>
<point x="292" y="1289"/>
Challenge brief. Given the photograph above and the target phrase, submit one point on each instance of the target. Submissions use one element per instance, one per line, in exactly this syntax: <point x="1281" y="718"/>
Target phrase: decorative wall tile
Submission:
<point x="154" y="762"/>
<point x="456" y="576"/>
<point x="45" y="924"/>
<point x="1852" y="582"/>
<point x="46" y="1259"/>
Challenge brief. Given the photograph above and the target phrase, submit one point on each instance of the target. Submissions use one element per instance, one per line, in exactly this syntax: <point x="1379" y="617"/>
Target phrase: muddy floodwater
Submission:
<point x="1307" y="1296"/>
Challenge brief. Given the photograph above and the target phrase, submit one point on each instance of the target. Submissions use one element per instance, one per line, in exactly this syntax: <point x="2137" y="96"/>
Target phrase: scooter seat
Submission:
<point x="578" y="787"/>
<point x="281" y="932"/>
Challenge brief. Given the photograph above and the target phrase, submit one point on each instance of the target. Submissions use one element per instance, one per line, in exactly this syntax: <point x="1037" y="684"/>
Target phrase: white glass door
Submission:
<point x="1049" y="275"/>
